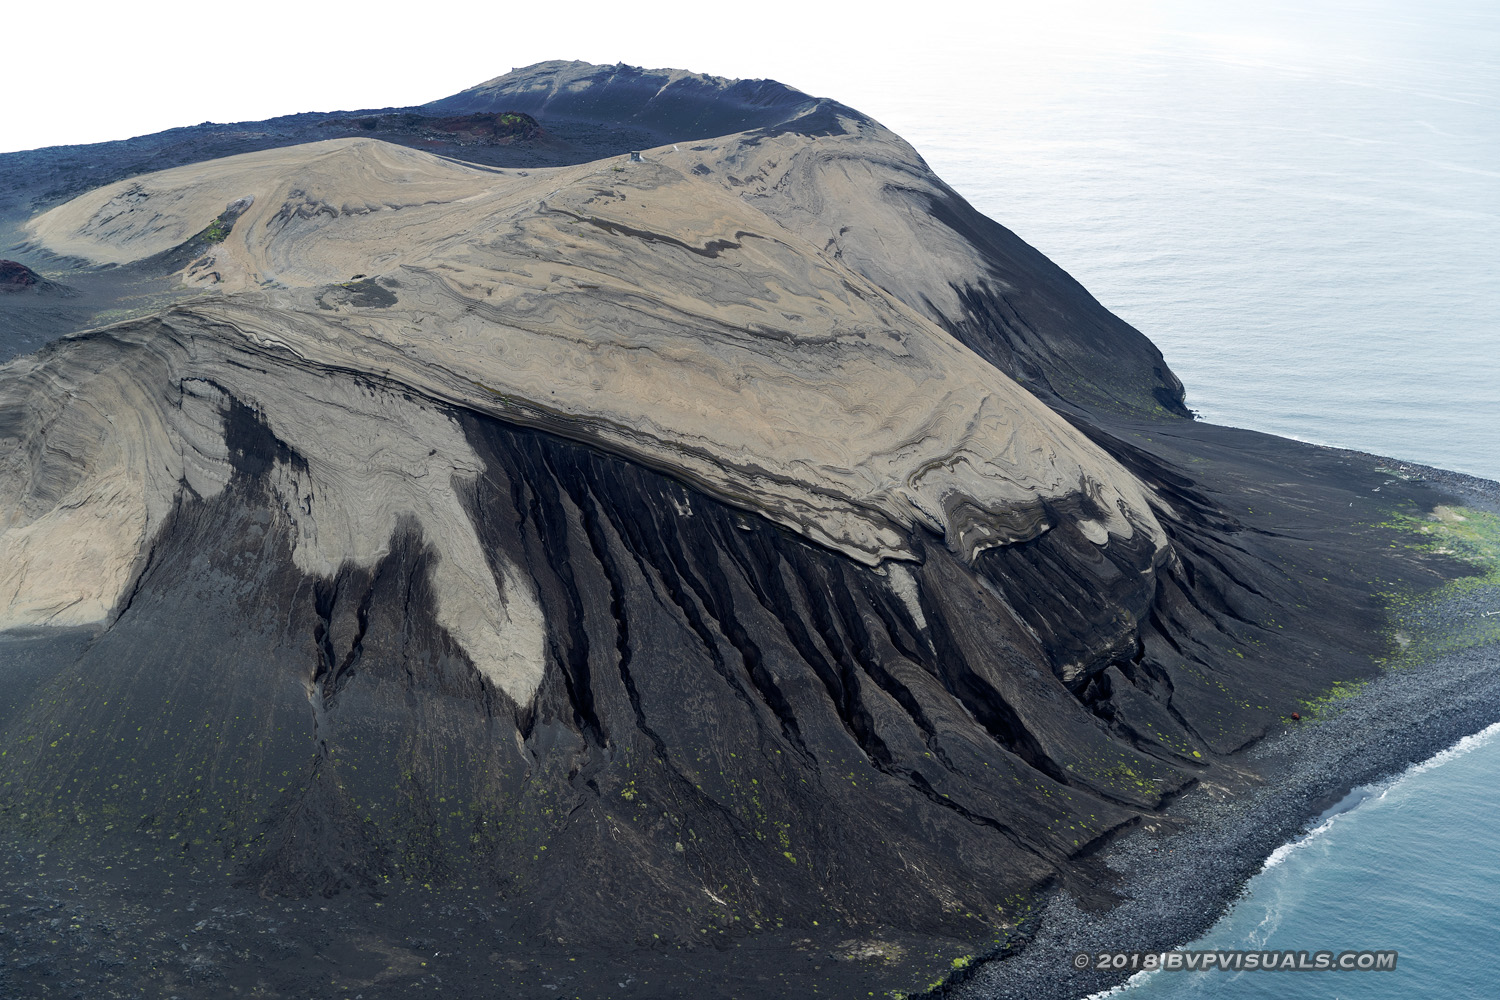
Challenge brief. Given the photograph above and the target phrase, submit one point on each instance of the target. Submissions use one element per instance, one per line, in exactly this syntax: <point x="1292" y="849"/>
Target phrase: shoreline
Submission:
<point x="1178" y="873"/>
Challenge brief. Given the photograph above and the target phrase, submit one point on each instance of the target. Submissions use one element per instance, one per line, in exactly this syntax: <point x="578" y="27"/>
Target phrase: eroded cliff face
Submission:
<point x="664" y="544"/>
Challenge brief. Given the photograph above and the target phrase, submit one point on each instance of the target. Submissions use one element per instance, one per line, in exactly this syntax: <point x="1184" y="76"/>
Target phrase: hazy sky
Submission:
<point x="112" y="71"/>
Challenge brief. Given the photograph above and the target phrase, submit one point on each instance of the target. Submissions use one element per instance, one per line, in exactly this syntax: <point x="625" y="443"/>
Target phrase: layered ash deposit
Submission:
<point x="743" y="539"/>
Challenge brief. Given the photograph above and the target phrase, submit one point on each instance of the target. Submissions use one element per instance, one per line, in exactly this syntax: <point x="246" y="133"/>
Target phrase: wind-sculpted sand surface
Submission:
<point x="642" y="306"/>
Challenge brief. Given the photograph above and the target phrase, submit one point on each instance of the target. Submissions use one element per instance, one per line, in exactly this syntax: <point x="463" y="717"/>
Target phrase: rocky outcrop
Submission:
<point x="478" y="129"/>
<point x="17" y="277"/>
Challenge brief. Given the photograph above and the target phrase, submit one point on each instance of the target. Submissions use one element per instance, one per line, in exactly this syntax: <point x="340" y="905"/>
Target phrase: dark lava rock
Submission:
<point x="481" y="128"/>
<point x="17" y="277"/>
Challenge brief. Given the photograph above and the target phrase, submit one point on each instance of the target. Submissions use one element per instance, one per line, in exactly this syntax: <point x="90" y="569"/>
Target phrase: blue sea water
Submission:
<point x="1414" y="866"/>
<point x="1300" y="204"/>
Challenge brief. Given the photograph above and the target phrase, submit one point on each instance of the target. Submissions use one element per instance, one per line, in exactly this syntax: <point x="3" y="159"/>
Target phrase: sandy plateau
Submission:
<point x="643" y="306"/>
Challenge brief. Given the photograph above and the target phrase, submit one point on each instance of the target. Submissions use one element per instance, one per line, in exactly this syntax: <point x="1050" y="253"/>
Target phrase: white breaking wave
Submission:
<point x="1380" y="790"/>
<point x="1347" y="805"/>
<point x="1139" y="979"/>
<point x="1463" y="747"/>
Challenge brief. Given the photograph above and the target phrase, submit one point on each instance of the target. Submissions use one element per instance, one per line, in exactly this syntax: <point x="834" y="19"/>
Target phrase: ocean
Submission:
<point x="1409" y="865"/>
<point x="1299" y="204"/>
<point x="1301" y="207"/>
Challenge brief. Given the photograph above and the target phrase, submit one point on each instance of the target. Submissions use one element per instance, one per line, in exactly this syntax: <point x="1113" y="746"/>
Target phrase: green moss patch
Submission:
<point x="1332" y="701"/>
<point x="1460" y="614"/>
<point x="217" y="231"/>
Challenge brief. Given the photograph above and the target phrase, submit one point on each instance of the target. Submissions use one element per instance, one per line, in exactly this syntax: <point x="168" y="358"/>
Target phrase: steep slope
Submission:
<point x="812" y="604"/>
<point x="660" y="549"/>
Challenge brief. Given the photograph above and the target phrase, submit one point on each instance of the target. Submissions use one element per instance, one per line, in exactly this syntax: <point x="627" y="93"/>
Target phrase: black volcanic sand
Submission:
<point x="1178" y="875"/>
<point x="148" y="923"/>
<point x="89" y="297"/>
<point x="146" y="917"/>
